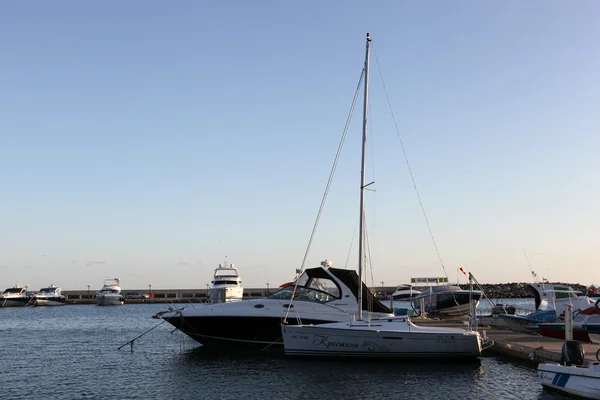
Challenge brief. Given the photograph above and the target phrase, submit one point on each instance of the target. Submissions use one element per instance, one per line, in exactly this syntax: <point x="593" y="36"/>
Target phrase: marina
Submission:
<point x="78" y="337"/>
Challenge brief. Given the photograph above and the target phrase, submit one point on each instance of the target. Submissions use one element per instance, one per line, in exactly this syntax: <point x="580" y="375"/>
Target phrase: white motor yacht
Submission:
<point x="323" y="294"/>
<point x="49" y="296"/>
<point x="110" y="294"/>
<point x="16" y="296"/>
<point x="226" y="284"/>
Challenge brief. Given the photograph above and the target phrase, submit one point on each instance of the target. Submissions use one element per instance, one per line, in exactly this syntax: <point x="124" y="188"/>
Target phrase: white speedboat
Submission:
<point x="49" y="296"/>
<point x="16" y="296"/>
<point x="323" y="294"/>
<point x="405" y="292"/>
<point x="571" y="375"/>
<point x="110" y="294"/>
<point x="391" y="337"/>
<point x="226" y="284"/>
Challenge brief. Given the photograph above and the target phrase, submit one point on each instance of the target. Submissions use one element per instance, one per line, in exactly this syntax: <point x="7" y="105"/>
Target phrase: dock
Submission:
<point x="521" y="345"/>
<point x="533" y="347"/>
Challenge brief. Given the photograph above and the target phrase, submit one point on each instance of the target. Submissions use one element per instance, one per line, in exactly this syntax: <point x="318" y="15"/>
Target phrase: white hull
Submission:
<point x="48" y="302"/>
<point x="492" y="320"/>
<point x="516" y="324"/>
<point x="594" y="337"/>
<point x="110" y="300"/>
<point x="389" y="338"/>
<point x="579" y="381"/>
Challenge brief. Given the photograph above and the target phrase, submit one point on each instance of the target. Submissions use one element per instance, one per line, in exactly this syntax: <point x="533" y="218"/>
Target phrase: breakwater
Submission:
<point x="494" y="291"/>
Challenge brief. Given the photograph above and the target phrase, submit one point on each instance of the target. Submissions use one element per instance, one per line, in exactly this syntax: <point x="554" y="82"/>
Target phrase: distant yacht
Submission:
<point x="110" y="294"/>
<point x="404" y="292"/>
<point x="226" y="284"/>
<point x="49" y="296"/>
<point x="15" y="297"/>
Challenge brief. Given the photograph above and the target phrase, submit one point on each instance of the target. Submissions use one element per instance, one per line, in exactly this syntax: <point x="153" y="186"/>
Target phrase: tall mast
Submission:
<point x="361" y="228"/>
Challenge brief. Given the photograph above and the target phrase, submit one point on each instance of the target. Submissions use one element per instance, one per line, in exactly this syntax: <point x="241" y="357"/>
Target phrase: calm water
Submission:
<point x="71" y="352"/>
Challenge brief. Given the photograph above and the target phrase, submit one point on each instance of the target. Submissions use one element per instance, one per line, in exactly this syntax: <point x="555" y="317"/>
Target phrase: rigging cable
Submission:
<point x="331" y="174"/>
<point x="410" y="172"/>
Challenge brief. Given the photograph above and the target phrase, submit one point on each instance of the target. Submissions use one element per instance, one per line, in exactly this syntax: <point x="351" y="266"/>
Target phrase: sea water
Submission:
<point x="72" y="352"/>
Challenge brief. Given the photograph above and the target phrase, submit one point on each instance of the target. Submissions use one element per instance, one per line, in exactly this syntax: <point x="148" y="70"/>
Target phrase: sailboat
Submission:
<point x="389" y="337"/>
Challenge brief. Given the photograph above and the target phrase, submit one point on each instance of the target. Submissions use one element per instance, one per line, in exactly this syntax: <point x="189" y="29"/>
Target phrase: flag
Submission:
<point x="593" y="288"/>
<point x="462" y="270"/>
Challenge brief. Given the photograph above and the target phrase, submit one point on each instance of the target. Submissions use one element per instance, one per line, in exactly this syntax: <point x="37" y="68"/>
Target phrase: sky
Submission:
<point x="152" y="140"/>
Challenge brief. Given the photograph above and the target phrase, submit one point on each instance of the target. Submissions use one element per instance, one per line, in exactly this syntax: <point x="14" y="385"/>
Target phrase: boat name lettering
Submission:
<point x="324" y="340"/>
<point x="300" y="336"/>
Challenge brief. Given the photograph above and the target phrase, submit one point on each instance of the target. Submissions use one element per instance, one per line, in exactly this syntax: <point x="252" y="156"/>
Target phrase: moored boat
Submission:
<point x="586" y="324"/>
<point x="405" y="292"/>
<point x="571" y="375"/>
<point x="446" y="301"/>
<point x="323" y="294"/>
<point x="226" y="284"/>
<point x="365" y="337"/>
<point x="49" y="296"/>
<point x="16" y="296"/>
<point x="110" y="294"/>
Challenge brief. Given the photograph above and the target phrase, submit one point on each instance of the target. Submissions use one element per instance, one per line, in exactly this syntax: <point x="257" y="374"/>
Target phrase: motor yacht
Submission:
<point x="405" y="292"/>
<point x="16" y="296"/>
<point x="446" y="301"/>
<point x="226" y="284"/>
<point x="110" y="294"/>
<point x="322" y="294"/>
<point x="49" y="296"/>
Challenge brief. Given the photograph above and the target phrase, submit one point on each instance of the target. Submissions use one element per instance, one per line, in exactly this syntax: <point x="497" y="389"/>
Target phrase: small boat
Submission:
<point x="571" y="375"/>
<point x="446" y="301"/>
<point x="527" y="323"/>
<point x="110" y="294"/>
<point x="16" y="296"/>
<point x="405" y="292"/>
<point x="390" y="337"/>
<point x="49" y="296"/>
<point x="586" y="325"/>
<point x="226" y="284"/>
<point x="556" y="297"/>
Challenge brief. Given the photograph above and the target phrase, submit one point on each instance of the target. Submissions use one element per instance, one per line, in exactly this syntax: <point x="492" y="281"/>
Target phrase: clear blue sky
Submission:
<point x="150" y="140"/>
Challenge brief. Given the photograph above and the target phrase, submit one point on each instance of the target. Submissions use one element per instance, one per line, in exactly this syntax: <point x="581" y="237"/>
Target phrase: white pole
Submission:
<point x="569" y="322"/>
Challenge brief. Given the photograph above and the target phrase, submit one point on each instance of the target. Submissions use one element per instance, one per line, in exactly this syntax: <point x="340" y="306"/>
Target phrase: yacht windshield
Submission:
<point x="320" y="290"/>
<point x="13" y="290"/>
<point x="226" y="272"/>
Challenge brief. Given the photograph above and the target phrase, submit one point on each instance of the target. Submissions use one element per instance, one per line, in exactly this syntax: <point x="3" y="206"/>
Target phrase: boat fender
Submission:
<point x="572" y="353"/>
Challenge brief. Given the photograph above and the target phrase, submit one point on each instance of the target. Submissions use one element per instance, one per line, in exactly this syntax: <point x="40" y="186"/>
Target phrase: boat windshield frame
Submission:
<point x="303" y="294"/>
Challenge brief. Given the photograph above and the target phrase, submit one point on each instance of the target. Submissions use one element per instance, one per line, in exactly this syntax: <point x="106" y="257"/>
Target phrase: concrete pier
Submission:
<point x="163" y="295"/>
<point x="533" y="347"/>
<point x="524" y="346"/>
